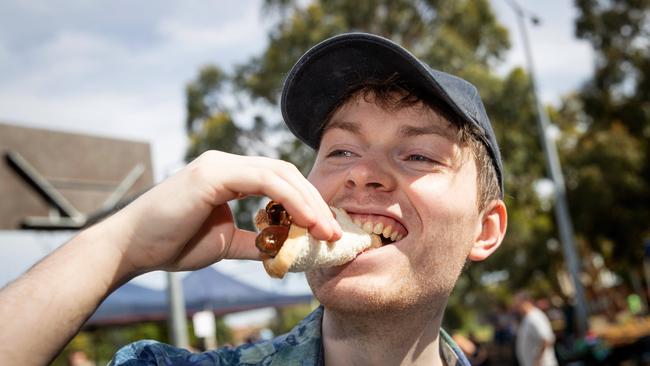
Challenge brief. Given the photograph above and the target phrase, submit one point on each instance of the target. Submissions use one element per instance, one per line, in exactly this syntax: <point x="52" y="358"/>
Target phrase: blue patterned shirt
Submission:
<point x="301" y="346"/>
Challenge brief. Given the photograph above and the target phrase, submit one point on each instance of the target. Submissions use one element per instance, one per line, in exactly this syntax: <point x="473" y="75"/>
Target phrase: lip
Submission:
<point x="372" y="260"/>
<point x="376" y="212"/>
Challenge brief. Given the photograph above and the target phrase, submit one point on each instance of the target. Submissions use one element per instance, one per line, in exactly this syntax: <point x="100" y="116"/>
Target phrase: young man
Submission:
<point x="399" y="145"/>
<point x="535" y="337"/>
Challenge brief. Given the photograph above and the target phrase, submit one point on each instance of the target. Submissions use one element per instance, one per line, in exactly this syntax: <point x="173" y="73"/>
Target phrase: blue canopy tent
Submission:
<point x="203" y="289"/>
<point x="209" y="289"/>
<point x="131" y="303"/>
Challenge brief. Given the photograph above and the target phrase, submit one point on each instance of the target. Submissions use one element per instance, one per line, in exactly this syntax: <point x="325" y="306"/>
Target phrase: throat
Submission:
<point x="350" y="339"/>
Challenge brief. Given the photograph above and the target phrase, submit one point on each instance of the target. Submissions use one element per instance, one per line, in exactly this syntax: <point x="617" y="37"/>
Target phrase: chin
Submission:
<point x="388" y="280"/>
<point x="365" y="294"/>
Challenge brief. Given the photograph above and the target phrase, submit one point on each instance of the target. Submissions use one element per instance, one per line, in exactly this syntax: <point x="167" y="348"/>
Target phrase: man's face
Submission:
<point x="404" y="169"/>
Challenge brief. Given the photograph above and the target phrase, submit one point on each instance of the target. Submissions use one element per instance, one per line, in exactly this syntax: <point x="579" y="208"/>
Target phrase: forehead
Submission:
<point x="415" y="116"/>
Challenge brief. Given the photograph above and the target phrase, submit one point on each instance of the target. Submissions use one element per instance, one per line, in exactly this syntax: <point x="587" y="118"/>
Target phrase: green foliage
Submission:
<point x="223" y="333"/>
<point x="199" y="104"/>
<point x="218" y="131"/>
<point x="289" y="316"/>
<point x="608" y="133"/>
<point x="100" y="344"/>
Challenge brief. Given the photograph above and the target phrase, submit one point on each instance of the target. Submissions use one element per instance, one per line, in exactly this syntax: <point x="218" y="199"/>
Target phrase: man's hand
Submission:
<point x="184" y="223"/>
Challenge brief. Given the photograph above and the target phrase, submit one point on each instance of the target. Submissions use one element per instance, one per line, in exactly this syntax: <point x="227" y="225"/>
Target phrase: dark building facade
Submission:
<point x="59" y="180"/>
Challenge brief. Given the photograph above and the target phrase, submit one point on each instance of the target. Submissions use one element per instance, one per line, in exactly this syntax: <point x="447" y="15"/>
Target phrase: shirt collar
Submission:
<point x="450" y="353"/>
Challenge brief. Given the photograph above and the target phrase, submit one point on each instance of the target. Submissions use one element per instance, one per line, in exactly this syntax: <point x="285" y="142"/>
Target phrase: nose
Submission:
<point x="373" y="173"/>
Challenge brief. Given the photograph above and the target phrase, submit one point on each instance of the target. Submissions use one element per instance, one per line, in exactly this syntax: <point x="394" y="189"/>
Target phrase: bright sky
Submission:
<point x="118" y="68"/>
<point x="562" y="63"/>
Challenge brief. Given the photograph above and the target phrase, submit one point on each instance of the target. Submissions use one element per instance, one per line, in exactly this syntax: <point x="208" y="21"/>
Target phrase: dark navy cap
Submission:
<point x="324" y="74"/>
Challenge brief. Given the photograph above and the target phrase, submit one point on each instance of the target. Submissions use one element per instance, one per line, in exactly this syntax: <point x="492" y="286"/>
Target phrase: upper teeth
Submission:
<point x="367" y="227"/>
<point x="379" y="229"/>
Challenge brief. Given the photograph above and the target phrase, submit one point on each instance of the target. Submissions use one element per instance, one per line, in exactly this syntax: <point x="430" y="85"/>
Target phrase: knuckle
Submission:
<point x="210" y="155"/>
<point x="267" y="176"/>
<point x="199" y="172"/>
<point x="288" y="167"/>
<point x="203" y="158"/>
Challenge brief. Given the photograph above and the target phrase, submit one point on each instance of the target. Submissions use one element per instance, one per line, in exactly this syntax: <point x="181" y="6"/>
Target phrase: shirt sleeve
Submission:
<point x="149" y="353"/>
<point x="543" y="328"/>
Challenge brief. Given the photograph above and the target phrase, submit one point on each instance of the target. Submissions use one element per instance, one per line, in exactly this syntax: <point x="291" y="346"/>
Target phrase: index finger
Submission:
<point x="283" y="183"/>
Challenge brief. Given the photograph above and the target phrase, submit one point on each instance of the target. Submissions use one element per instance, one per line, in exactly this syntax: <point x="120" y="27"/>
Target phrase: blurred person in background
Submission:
<point x="397" y="143"/>
<point x="504" y="323"/>
<point x="535" y="343"/>
<point x="474" y="350"/>
<point x="79" y="358"/>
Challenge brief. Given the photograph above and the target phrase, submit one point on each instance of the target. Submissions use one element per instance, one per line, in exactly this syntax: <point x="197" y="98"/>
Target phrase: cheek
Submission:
<point x="448" y="218"/>
<point x="326" y="183"/>
<point x="440" y="198"/>
<point x="432" y="201"/>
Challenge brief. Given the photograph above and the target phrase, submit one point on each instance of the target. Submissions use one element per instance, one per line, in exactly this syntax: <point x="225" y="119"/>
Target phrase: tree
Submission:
<point x="210" y="124"/>
<point x="607" y="149"/>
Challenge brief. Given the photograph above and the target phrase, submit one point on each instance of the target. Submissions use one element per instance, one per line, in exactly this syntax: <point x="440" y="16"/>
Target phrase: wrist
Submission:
<point x="101" y="248"/>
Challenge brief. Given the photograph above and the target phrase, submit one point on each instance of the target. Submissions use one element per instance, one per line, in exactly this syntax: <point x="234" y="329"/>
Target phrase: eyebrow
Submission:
<point x="412" y="131"/>
<point x="404" y="131"/>
<point x="352" y="127"/>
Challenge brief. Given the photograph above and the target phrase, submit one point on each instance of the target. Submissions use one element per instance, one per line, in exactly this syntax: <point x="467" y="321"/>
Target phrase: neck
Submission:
<point x="399" y="338"/>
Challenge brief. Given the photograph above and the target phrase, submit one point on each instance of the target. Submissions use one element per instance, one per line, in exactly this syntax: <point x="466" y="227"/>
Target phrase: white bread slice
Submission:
<point x="301" y="252"/>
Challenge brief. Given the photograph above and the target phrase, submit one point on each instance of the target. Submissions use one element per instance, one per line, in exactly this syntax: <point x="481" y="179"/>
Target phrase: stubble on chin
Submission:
<point x="374" y="298"/>
<point x="406" y="289"/>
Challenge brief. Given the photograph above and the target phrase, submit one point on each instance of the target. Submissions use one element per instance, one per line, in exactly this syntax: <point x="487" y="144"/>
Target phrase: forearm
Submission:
<point x="46" y="306"/>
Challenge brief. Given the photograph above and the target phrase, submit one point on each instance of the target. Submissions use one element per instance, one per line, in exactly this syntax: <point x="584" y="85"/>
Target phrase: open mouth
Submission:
<point x="388" y="230"/>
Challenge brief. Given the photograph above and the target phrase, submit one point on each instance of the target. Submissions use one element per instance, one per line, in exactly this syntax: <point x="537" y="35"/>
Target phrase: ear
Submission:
<point x="492" y="229"/>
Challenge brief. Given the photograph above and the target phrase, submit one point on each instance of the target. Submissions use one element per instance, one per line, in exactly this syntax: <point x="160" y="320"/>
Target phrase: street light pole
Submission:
<point x="177" y="316"/>
<point x="562" y="216"/>
<point x="177" y="319"/>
